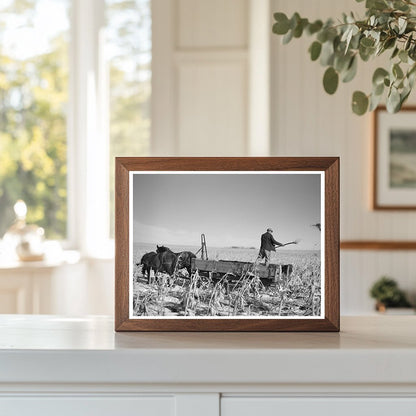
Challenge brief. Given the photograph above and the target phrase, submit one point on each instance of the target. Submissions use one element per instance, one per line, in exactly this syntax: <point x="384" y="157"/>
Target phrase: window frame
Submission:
<point x="88" y="133"/>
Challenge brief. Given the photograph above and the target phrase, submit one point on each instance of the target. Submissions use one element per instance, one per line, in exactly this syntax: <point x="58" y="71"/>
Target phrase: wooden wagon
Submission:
<point x="233" y="270"/>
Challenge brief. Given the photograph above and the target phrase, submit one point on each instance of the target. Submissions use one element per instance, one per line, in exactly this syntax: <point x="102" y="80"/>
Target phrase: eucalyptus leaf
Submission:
<point x="314" y="27"/>
<point x="367" y="42"/>
<point x="374" y="102"/>
<point x="404" y="96"/>
<point x="411" y="78"/>
<point x="315" y="50"/>
<point x="322" y="36"/>
<point x="412" y="69"/>
<point x="408" y="42"/>
<point x="337" y="44"/>
<point x="366" y="53"/>
<point x="402" y="22"/>
<point x="389" y="43"/>
<point x="298" y="30"/>
<point x="294" y="20"/>
<point x="412" y="52"/>
<point x="352" y="31"/>
<point x="288" y="37"/>
<point x="281" y="27"/>
<point x="397" y="71"/>
<point x="346" y="34"/>
<point x="403" y="56"/>
<point x="395" y="52"/>
<point x="355" y="41"/>
<point x="393" y="101"/>
<point x="330" y="80"/>
<point x="378" y="89"/>
<point x="400" y="5"/>
<point x="350" y="18"/>
<point x="327" y="53"/>
<point x="394" y="25"/>
<point x="359" y="103"/>
<point x="376" y="4"/>
<point x="350" y="73"/>
<point x="379" y="75"/>
<point x="399" y="85"/>
<point x="376" y="36"/>
<point x="342" y="62"/>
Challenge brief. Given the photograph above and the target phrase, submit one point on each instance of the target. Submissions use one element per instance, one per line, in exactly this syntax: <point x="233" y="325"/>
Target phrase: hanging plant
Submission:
<point x="389" y="27"/>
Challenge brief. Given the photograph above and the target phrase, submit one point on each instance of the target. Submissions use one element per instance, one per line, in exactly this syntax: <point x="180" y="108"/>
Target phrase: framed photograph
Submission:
<point x="227" y="244"/>
<point x="395" y="159"/>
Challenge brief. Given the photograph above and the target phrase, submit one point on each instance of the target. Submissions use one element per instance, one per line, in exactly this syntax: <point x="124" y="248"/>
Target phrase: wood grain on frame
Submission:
<point x="378" y="245"/>
<point x="376" y="205"/>
<point x="330" y="165"/>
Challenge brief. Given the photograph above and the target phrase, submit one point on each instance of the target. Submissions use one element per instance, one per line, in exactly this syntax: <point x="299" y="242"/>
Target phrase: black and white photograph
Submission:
<point x="226" y="244"/>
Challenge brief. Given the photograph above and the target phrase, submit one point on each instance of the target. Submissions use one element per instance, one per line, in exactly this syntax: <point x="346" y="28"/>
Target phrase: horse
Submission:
<point x="172" y="261"/>
<point x="148" y="262"/>
<point x="167" y="259"/>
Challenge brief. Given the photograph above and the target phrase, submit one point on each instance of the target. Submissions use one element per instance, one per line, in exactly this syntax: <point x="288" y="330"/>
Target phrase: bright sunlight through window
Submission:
<point x="33" y="102"/>
<point x="38" y="80"/>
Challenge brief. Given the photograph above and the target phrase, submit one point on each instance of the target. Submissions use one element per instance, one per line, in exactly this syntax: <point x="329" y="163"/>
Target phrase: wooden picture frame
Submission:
<point x="394" y="184"/>
<point x="137" y="172"/>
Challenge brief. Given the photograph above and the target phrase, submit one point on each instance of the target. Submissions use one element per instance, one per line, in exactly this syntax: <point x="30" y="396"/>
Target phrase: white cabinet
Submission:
<point x="88" y="406"/>
<point x="271" y="406"/>
<point x="51" y="365"/>
<point x="202" y="405"/>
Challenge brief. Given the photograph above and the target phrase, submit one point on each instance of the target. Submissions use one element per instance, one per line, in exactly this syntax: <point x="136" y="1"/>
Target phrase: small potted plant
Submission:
<point x="387" y="294"/>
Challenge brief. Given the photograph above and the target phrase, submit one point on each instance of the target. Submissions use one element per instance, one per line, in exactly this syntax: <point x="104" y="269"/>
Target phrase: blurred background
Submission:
<point x="83" y="81"/>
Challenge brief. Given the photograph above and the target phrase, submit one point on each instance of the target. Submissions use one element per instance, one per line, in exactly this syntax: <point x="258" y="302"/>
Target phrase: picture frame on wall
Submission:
<point x="227" y="244"/>
<point x="394" y="151"/>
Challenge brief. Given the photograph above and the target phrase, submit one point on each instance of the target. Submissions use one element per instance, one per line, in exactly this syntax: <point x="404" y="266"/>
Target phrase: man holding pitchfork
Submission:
<point x="268" y="244"/>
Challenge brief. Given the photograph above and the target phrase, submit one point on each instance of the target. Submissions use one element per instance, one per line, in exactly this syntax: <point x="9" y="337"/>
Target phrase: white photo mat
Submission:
<point x="132" y="237"/>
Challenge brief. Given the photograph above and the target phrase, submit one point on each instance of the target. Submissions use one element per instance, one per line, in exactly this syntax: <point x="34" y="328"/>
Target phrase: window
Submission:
<point x="33" y="100"/>
<point x="75" y="87"/>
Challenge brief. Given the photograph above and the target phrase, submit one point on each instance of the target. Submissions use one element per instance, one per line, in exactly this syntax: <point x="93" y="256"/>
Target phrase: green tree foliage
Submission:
<point x="389" y="27"/>
<point x="33" y="97"/>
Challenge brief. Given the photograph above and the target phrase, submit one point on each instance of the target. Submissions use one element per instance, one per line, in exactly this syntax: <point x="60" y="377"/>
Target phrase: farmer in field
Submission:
<point x="268" y="244"/>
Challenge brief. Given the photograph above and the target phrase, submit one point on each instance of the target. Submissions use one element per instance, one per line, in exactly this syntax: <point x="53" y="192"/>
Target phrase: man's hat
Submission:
<point x="269" y="229"/>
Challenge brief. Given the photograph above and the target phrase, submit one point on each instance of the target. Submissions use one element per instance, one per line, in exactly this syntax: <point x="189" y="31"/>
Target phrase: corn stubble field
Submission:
<point x="246" y="295"/>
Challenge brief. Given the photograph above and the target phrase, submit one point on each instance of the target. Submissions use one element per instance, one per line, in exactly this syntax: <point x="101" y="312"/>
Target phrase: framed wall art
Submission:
<point x="227" y="244"/>
<point x="394" y="183"/>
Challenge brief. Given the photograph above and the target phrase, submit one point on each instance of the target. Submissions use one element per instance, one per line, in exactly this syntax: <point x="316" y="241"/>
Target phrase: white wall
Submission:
<point x="200" y="77"/>
<point x="308" y="122"/>
<point x="211" y="97"/>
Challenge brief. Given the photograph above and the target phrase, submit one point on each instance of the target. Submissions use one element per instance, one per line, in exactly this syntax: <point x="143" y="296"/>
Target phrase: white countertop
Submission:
<point x="53" y="349"/>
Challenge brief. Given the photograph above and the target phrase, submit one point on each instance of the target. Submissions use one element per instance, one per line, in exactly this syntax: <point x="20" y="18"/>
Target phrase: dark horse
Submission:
<point x="148" y="262"/>
<point x="165" y="260"/>
<point x="171" y="261"/>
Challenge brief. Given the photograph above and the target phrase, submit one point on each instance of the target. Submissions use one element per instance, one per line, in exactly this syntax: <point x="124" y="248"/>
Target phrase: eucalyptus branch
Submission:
<point x="389" y="25"/>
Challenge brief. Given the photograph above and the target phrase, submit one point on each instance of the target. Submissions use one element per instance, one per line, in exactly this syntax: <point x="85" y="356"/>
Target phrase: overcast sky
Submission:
<point x="230" y="209"/>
